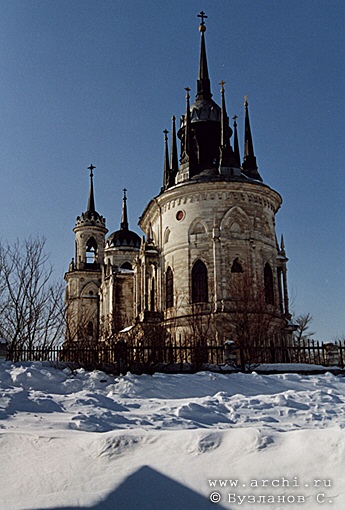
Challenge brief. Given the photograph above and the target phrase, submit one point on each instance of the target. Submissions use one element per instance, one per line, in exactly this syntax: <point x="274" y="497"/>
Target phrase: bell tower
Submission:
<point x="84" y="275"/>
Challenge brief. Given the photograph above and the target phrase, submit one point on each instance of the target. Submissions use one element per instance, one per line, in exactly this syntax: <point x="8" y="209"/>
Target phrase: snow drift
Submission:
<point x="90" y="440"/>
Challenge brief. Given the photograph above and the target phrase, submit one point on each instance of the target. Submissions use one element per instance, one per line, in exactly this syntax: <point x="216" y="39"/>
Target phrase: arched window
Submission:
<point x="166" y="235"/>
<point x="89" y="328"/>
<point x="91" y="251"/>
<point x="199" y="283"/>
<point x="268" y="282"/>
<point x="126" y="265"/>
<point x="169" y="288"/>
<point x="236" y="267"/>
<point x="152" y="295"/>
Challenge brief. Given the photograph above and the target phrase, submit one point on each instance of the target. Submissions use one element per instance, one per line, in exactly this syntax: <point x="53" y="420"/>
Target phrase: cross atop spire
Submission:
<point x="203" y="83"/>
<point x="91" y="167"/>
<point x="124" y="217"/>
<point x="91" y="200"/>
<point x="203" y="16"/>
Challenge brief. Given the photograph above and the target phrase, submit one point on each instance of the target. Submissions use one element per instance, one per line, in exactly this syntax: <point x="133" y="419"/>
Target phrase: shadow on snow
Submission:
<point x="148" y="489"/>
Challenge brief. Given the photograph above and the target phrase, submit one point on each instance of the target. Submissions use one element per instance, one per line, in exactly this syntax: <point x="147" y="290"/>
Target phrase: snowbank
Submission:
<point x="90" y="440"/>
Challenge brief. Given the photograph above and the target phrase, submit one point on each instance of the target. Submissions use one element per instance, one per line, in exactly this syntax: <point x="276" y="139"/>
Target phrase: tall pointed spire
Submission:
<point x="236" y="144"/>
<point x="91" y="200"/>
<point x="225" y="129"/>
<point x="282" y="247"/>
<point x="173" y="155"/>
<point x="203" y="83"/>
<point x="124" y="216"/>
<point x="186" y="132"/>
<point x="166" y="160"/>
<point x="227" y="161"/>
<point x="250" y="168"/>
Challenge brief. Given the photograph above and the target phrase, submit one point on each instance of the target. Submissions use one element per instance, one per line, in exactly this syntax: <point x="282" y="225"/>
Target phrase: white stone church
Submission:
<point x="209" y="242"/>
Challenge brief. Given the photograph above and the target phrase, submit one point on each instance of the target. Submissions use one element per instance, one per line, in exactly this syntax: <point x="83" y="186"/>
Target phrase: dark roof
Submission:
<point x="124" y="238"/>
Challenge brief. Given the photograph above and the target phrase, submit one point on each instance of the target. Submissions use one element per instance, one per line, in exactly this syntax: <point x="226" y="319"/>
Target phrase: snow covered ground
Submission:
<point x="73" y="440"/>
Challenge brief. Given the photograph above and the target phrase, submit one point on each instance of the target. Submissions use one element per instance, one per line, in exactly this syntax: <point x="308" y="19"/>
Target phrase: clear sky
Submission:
<point x="98" y="81"/>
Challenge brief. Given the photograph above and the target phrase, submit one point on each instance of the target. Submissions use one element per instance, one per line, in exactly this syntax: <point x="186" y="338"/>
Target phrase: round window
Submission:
<point x="180" y="215"/>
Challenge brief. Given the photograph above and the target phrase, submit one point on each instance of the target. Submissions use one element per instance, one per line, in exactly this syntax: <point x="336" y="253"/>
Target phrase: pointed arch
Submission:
<point x="169" y="288"/>
<point x="268" y="284"/>
<point x="198" y="226"/>
<point x="235" y="228"/>
<point x="90" y="290"/>
<point x="126" y="265"/>
<point x="199" y="282"/>
<point x="235" y="220"/>
<point x="91" y="250"/>
<point x="236" y="266"/>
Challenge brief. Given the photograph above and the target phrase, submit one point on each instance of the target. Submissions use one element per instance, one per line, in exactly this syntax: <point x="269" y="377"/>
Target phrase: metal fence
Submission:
<point x="182" y="355"/>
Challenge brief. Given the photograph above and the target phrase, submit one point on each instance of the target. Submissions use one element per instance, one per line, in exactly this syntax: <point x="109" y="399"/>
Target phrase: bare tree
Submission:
<point x="30" y="302"/>
<point x="302" y="332"/>
<point x="253" y="324"/>
<point x="199" y="330"/>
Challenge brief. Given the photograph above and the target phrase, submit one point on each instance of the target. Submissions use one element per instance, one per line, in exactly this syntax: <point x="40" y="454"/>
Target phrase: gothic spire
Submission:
<point x="166" y="160"/>
<point x="203" y="83"/>
<point x="225" y="131"/>
<point x="236" y="144"/>
<point x="227" y="157"/>
<point x="173" y="155"/>
<point x="282" y="247"/>
<point x="91" y="200"/>
<point x="250" y="168"/>
<point x="186" y="132"/>
<point x="124" y="217"/>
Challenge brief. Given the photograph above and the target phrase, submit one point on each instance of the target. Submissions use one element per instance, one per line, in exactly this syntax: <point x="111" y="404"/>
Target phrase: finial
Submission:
<point x="249" y="166"/>
<point x="173" y="153"/>
<point x="91" y="167"/>
<point x="202" y="27"/>
<point x="187" y="89"/>
<point x="91" y="200"/>
<point x="236" y="144"/>
<point x="222" y="83"/>
<point x="166" y="160"/>
<point x="124" y="215"/>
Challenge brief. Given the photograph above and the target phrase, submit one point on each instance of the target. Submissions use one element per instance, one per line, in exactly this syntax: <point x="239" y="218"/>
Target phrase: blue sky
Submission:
<point x="98" y="81"/>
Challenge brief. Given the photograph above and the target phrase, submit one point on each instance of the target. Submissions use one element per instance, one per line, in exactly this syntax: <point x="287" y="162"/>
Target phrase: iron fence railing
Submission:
<point x="180" y="355"/>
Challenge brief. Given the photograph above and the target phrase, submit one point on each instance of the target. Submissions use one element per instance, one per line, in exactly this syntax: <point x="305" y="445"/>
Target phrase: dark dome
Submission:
<point x="124" y="238"/>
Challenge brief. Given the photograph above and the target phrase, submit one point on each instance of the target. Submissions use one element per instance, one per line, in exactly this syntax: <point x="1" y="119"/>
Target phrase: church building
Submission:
<point x="209" y="253"/>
